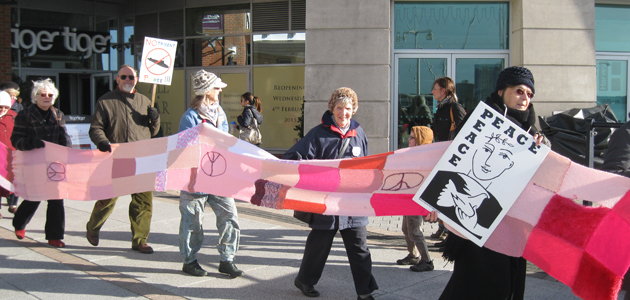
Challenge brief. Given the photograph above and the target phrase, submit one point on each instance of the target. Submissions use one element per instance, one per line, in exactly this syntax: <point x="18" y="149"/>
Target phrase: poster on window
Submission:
<point x="481" y="174"/>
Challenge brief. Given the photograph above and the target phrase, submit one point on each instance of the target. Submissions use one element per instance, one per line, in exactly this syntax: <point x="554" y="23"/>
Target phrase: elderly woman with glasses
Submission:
<point x="34" y="125"/>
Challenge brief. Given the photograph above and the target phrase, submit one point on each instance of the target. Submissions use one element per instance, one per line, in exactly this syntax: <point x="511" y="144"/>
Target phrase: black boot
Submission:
<point x="228" y="267"/>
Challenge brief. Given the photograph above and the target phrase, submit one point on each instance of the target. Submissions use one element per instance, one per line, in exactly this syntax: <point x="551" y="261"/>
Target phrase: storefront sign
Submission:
<point x="157" y="61"/>
<point x="70" y="40"/>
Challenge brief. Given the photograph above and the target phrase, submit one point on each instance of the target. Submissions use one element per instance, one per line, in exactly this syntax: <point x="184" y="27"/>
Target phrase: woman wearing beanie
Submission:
<point x="418" y="255"/>
<point x="205" y="108"/>
<point x="480" y="273"/>
<point x="446" y="120"/>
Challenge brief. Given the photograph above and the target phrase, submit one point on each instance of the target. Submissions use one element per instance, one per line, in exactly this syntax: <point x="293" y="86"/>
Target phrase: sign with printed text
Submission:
<point x="158" y="58"/>
<point x="481" y="174"/>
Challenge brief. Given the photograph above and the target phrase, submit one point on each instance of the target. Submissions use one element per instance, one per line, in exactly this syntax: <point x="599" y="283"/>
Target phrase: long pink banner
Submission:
<point x="586" y="248"/>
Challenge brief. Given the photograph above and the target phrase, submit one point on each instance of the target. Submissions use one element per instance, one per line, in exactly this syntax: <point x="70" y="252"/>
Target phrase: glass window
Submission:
<point x="217" y="51"/>
<point x="430" y="25"/>
<point x="612" y="28"/>
<point x="476" y="79"/>
<point x="612" y="85"/>
<point x="109" y="59"/>
<point x="47" y="19"/>
<point x="218" y="20"/>
<point x="415" y="101"/>
<point x="129" y="50"/>
<point x="280" y="48"/>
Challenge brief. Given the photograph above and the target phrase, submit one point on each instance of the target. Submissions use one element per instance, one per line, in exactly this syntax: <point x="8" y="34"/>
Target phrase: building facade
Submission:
<point x="292" y="52"/>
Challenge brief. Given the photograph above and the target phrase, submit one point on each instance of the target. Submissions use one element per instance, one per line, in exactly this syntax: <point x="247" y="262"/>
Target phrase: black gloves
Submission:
<point x="33" y="143"/>
<point x="104" y="147"/>
<point x="153" y="113"/>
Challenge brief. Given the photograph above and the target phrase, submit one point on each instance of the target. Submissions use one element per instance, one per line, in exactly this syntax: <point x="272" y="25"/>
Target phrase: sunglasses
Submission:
<point x="46" y="95"/>
<point x="521" y="92"/>
<point x="124" y="77"/>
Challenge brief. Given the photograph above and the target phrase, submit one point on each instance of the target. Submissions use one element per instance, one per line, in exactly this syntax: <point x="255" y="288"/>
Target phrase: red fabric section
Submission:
<point x="610" y="244"/>
<point x="376" y="162"/>
<point x="569" y="221"/>
<point x="553" y="255"/>
<point x="595" y="282"/>
<point x="396" y="205"/>
<point x="304" y="206"/>
<point x="622" y="208"/>
<point x="123" y="167"/>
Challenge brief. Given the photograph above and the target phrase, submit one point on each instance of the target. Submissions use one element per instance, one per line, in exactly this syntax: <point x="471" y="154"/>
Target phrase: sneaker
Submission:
<point x="56" y="243"/>
<point x="194" y="269"/>
<point x="409" y="260"/>
<point x="368" y="297"/>
<point x="12" y="209"/>
<point x="228" y="267"/>
<point x="423" y="266"/>
<point x="20" y="233"/>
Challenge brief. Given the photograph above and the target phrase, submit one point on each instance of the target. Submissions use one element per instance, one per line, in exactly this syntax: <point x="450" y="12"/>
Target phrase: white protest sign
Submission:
<point x="158" y="58"/>
<point x="481" y="174"/>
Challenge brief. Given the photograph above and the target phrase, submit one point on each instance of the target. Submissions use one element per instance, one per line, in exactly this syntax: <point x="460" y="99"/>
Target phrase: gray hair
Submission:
<point x="44" y="84"/>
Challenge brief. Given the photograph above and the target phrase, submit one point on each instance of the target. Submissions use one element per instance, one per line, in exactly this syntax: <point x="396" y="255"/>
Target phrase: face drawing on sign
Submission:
<point x="494" y="158"/>
<point x="488" y="164"/>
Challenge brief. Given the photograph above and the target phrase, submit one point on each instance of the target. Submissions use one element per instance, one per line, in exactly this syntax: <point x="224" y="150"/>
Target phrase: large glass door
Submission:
<point x="100" y="84"/>
<point x="474" y="76"/>
<point x="612" y="83"/>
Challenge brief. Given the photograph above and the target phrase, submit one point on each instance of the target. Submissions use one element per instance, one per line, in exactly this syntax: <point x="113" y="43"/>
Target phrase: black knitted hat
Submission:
<point x="513" y="76"/>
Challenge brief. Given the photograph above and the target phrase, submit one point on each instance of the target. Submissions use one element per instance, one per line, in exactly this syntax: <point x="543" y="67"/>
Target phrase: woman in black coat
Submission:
<point x="337" y="137"/>
<point x="252" y="110"/>
<point x="34" y="125"/>
<point x="480" y="273"/>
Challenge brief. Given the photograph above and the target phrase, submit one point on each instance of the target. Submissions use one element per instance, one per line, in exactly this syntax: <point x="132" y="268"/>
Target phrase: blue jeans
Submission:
<point x="191" y="207"/>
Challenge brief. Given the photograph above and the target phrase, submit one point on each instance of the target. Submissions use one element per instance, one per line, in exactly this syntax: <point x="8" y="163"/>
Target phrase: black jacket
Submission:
<point x="442" y="119"/>
<point x="324" y="142"/>
<point x="30" y="124"/>
<point x="246" y="118"/>
<point x="617" y="159"/>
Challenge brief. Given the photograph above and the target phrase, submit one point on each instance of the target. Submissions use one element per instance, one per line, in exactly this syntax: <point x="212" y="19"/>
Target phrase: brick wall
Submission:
<point x="5" y="42"/>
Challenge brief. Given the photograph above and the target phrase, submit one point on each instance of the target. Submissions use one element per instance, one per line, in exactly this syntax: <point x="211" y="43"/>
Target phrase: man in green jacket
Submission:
<point x="121" y="116"/>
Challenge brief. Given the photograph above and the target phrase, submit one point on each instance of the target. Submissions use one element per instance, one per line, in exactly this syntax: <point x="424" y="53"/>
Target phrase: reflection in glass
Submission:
<point x="217" y="51"/>
<point x="431" y="25"/>
<point x="218" y="20"/>
<point x="109" y="60"/>
<point x="611" y="28"/>
<point x="415" y="101"/>
<point x="612" y="86"/>
<point x="281" y="48"/>
<point x="476" y="79"/>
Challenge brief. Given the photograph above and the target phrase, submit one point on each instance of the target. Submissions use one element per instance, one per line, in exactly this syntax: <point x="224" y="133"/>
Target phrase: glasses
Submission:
<point x="522" y="92"/>
<point x="124" y="77"/>
<point x="46" y="95"/>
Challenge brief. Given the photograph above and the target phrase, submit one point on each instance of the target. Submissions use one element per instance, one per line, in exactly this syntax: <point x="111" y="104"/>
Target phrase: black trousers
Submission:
<point x="316" y="252"/>
<point x="55" y="217"/>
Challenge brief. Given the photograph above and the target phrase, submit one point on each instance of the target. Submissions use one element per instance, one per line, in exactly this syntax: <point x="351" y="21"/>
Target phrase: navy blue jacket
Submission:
<point x="324" y="142"/>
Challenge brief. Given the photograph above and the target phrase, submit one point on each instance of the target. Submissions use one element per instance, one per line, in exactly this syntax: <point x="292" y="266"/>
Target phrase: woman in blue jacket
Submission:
<point x="338" y="136"/>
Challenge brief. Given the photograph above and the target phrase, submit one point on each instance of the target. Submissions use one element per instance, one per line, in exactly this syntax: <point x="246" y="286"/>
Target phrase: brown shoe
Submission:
<point x="91" y="237"/>
<point x="144" y="248"/>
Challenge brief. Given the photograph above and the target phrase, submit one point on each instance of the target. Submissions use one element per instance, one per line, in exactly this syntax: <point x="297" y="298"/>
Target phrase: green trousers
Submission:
<point x="140" y="212"/>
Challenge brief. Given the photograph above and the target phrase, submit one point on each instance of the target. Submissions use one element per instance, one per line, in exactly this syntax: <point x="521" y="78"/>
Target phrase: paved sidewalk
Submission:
<point x="272" y="243"/>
